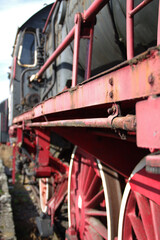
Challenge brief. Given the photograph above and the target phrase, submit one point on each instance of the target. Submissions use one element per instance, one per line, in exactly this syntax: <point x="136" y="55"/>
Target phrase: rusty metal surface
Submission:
<point x="127" y="123"/>
<point x="140" y="78"/>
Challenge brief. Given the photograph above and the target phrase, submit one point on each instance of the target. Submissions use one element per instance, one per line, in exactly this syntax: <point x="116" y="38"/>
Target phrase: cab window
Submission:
<point x="27" y="50"/>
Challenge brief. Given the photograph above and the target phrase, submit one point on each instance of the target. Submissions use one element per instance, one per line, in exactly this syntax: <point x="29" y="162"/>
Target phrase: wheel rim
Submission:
<point x="139" y="215"/>
<point x="44" y="193"/>
<point x="93" y="197"/>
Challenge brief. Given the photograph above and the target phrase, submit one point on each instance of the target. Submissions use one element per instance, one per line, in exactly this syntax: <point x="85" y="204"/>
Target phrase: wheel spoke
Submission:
<point x="72" y="194"/>
<point x="98" y="226"/>
<point x="146" y="215"/>
<point x="94" y="212"/>
<point x="88" y="198"/>
<point x="155" y="209"/>
<point x="90" y="233"/>
<point x="73" y="209"/>
<point x="94" y="187"/>
<point x="88" y="179"/>
<point x="139" y="215"/>
<point x="95" y="200"/>
<point x="137" y="226"/>
<point x="84" y="171"/>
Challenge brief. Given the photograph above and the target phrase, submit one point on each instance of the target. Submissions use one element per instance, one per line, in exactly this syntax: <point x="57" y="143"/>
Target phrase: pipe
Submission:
<point x="53" y="48"/>
<point x="158" y="29"/>
<point x="78" y="20"/>
<point x="139" y="7"/>
<point x="95" y="7"/>
<point x="130" y="29"/>
<point x="49" y="16"/>
<point x="22" y="82"/>
<point x="56" y="53"/>
<point x="89" y="55"/>
<point x="14" y="67"/>
<point x="127" y="123"/>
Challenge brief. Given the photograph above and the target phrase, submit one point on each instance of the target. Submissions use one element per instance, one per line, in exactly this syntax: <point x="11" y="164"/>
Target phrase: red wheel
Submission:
<point x="93" y="198"/>
<point x="139" y="215"/>
<point x="44" y="193"/>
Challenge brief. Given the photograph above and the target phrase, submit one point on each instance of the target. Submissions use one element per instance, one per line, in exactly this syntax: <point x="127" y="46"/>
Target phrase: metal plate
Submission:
<point x="148" y="124"/>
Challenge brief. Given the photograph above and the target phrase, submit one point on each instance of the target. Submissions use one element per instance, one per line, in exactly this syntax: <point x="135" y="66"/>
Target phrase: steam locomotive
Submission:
<point x="84" y="111"/>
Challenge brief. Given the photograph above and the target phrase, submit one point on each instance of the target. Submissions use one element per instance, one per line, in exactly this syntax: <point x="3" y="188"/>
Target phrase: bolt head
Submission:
<point x="111" y="81"/>
<point x="111" y="94"/>
<point x="151" y="79"/>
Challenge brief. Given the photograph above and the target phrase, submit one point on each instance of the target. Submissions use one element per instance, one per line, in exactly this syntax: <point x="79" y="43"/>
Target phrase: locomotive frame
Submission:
<point x="113" y="139"/>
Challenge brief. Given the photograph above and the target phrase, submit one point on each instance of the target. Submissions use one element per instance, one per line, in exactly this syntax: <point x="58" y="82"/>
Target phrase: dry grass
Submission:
<point x="6" y="155"/>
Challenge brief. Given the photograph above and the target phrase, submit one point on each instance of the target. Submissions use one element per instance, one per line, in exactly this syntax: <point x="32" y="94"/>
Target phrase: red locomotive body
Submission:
<point x="106" y="122"/>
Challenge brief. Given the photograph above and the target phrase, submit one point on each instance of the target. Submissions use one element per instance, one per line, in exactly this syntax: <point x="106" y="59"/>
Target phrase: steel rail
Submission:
<point x="95" y="7"/>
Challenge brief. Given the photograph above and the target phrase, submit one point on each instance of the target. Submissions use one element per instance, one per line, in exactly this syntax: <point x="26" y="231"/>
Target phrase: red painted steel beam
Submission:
<point x="43" y="144"/>
<point x="57" y="164"/>
<point x="139" y="79"/>
<point x="96" y="6"/>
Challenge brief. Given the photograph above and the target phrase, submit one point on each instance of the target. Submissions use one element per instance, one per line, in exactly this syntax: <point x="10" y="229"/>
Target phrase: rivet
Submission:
<point x="151" y="79"/>
<point x="111" y="94"/>
<point x="111" y="81"/>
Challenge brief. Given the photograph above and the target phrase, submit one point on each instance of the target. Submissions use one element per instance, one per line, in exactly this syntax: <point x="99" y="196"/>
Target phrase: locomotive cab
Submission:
<point x="27" y="60"/>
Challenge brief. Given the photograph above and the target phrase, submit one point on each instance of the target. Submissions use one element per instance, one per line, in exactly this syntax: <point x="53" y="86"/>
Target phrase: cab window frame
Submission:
<point x="23" y="52"/>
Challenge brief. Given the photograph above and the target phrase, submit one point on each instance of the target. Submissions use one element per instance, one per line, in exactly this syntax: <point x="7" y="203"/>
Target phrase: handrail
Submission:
<point x="56" y="53"/>
<point x="49" y="16"/>
<point x="139" y="7"/>
<point x="130" y="12"/>
<point x="95" y="7"/>
<point x="88" y="15"/>
<point x="158" y="28"/>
